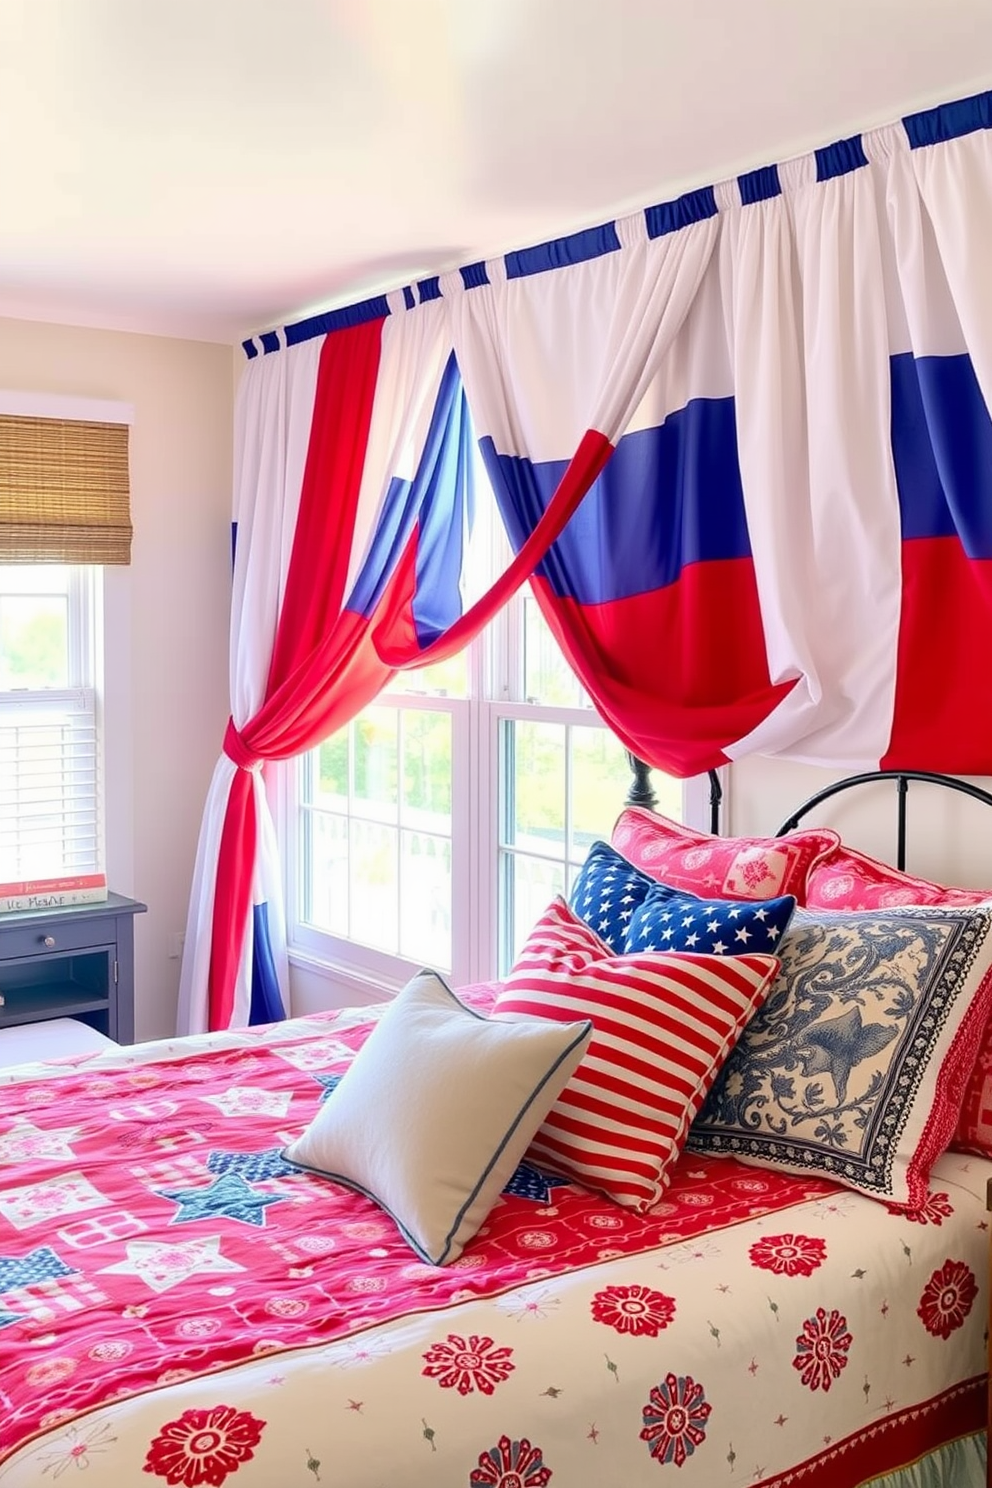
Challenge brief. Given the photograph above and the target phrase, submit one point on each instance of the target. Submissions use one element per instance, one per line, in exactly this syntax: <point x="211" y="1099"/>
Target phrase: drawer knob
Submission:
<point x="49" y="941"/>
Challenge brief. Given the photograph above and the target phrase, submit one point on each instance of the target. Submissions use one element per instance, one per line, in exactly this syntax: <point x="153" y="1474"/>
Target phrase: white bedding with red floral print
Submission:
<point x="817" y="1345"/>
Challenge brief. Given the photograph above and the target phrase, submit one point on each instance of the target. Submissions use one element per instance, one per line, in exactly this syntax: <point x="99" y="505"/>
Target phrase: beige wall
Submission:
<point x="166" y="616"/>
<point x="949" y="837"/>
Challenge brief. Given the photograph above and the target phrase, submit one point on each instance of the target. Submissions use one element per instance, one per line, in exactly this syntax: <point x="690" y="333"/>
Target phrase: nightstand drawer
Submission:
<point x="47" y="937"/>
<point x="76" y="961"/>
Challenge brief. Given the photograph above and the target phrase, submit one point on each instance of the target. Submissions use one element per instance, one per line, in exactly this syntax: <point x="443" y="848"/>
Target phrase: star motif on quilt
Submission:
<point x="42" y="1264"/>
<point x="839" y="1044"/>
<point x="330" y="1084"/>
<point x="162" y="1266"/>
<point x="230" y="1197"/>
<point x="6" y="1318"/>
<point x="529" y="1182"/>
<point x="249" y="1100"/>
<point x="28" y="1143"/>
<point x="35" y="1203"/>
<point x="253" y="1167"/>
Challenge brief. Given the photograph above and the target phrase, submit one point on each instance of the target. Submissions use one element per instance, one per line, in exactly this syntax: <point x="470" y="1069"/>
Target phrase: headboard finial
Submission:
<point x="641" y="792"/>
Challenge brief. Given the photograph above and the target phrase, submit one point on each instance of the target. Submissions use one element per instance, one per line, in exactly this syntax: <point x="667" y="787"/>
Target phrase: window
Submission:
<point x="64" y="515"/>
<point x="436" y="827"/>
<point x="562" y="778"/>
<point x="50" y="804"/>
<point x="378" y="833"/>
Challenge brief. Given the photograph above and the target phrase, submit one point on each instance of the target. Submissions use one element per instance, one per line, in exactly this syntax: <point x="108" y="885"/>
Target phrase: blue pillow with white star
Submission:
<point x="607" y="892"/>
<point x="669" y="919"/>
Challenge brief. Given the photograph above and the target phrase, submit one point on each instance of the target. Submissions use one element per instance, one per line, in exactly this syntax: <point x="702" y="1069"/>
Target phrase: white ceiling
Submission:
<point x="209" y="168"/>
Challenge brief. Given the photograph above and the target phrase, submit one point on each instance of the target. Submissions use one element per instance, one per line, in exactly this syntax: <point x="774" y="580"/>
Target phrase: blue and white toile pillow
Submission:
<point x="631" y="911"/>
<point x="855" y="1065"/>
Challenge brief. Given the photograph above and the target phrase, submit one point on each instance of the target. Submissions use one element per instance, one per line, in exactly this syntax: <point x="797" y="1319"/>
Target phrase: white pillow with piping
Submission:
<point x="436" y="1110"/>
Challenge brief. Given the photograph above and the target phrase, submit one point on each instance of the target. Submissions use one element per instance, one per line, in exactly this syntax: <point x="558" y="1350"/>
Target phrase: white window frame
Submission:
<point x="364" y="965"/>
<point x="476" y="723"/>
<point x="496" y="691"/>
<point x="561" y="717"/>
<point x="108" y="626"/>
<point x="75" y="707"/>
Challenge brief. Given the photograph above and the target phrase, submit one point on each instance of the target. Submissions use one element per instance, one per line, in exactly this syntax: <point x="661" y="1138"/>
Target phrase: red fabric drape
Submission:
<point x="395" y="639"/>
<point x="327" y="662"/>
<point x="660" y="655"/>
<point x="308" y="625"/>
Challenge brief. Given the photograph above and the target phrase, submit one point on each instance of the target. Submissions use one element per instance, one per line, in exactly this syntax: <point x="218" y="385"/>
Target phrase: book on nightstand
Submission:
<point x="53" y="893"/>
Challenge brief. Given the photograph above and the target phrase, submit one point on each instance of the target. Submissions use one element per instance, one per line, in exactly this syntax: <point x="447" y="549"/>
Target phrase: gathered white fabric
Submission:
<point x="782" y="386"/>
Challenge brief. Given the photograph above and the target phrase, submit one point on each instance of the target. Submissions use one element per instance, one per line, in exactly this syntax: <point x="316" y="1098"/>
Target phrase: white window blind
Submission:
<point x="49" y="768"/>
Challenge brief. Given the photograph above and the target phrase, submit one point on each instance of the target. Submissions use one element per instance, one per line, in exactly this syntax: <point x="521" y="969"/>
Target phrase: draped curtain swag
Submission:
<point x="742" y="448"/>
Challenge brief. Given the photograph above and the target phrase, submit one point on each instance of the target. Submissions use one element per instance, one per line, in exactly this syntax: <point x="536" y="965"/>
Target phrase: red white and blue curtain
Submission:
<point x="741" y="445"/>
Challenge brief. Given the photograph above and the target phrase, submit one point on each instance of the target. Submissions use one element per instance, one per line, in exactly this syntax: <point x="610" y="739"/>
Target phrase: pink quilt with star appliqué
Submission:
<point x="171" y="1292"/>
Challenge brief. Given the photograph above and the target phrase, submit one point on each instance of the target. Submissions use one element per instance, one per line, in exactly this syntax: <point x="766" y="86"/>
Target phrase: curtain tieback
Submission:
<point x="237" y="751"/>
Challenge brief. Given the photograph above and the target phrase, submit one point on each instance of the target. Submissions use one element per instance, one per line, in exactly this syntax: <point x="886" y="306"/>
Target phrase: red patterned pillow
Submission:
<point x="732" y="867"/>
<point x="848" y="879"/>
<point x="974" y="1129"/>
<point x="663" y="1023"/>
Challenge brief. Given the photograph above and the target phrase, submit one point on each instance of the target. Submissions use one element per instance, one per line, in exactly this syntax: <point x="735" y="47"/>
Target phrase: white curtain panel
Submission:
<point x="792" y="299"/>
<point x="272" y="419"/>
<point x="833" y="314"/>
<point x="825" y="285"/>
<point x="547" y="356"/>
<point x="273" y="416"/>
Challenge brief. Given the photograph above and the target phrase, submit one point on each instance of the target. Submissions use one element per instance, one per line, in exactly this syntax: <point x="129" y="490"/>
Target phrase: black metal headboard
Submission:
<point x="641" y="793"/>
<point x="902" y="779"/>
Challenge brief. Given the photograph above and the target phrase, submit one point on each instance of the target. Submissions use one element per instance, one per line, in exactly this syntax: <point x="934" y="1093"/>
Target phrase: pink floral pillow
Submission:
<point x="848" y="879"/>
<point x="731" y="867"/>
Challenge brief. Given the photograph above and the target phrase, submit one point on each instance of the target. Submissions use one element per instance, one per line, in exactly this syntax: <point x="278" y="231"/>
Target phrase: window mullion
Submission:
<point x="568" y="801"/>
<point x="465" y="826"/>
<point x="79" y="595"/>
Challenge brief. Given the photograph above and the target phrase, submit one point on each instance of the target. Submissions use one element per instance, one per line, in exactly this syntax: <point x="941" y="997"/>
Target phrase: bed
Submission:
<point x="181" y="1302"/>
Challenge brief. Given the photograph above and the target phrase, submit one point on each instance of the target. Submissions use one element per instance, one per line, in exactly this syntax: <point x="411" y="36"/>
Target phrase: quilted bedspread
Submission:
<point x="177" y="1304"/>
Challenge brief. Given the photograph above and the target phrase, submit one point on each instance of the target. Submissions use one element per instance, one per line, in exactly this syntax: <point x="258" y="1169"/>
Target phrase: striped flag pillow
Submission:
<point x="663" y="1024"/>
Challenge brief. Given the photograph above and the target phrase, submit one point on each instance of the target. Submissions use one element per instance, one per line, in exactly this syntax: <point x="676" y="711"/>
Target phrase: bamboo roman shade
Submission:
<point x="64" y="495"/>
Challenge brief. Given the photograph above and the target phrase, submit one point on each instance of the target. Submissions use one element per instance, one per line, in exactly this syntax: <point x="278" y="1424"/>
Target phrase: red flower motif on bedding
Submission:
<point x="822" y="1348"/>
<point x="467" y="1364"/>
<point x="510" y="1464"/>
<point x="947" y="1298"/>
<point x="675" y="1419"/>
<point x="936" y="1209"/>
<point x="748" y="1185"/>
<point x="51" y="1371"/>
<point x="633" y="1309"/>
<point x="789" y="1255"/>
<point x="204" y="1446"/>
